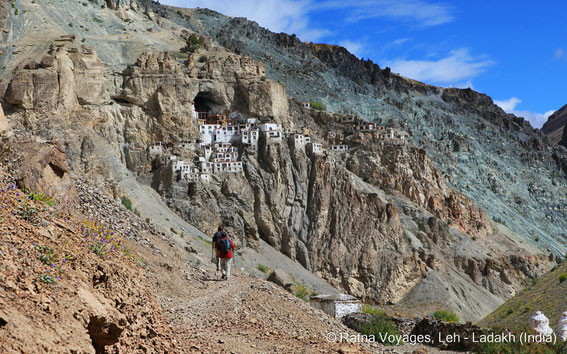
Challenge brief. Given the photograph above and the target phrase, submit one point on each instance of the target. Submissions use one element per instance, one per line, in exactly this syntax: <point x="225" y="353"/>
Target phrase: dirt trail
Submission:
<point x="244" y="314"/>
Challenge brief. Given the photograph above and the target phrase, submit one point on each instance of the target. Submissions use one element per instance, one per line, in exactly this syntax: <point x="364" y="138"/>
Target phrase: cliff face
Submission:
<point x="382" y="221"/>
<point x="496" y="159"/>
<point x="554" y="128"/>
<point x="376" y="221"/>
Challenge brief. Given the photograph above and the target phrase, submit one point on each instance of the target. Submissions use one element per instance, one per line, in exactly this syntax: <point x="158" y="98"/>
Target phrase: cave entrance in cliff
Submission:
<point x="205" y="102"/>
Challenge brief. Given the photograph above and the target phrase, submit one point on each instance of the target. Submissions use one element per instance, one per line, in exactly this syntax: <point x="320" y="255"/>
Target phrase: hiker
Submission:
<point x="224" y="248"/>
<point x="217" y="236"/>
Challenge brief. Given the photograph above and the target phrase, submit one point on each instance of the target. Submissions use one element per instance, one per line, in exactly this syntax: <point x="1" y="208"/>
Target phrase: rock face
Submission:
<point x="381" y="221"/>
<point x="150" y="100"/>
<point x="281" y="278"/>
<point x="375" y="221"/>
<point x="57" y="293"/>
<point x="554" y="127"/>
<point x="69" y="74"/>
<point x="42" y="169"/>
<point x="486" y="154"/>
<point x="540" y="324"/>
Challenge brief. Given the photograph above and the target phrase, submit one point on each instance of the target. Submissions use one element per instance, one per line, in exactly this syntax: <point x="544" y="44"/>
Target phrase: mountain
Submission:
<point x="461" y="215"/>
<point x="554" y="127"/>
<point x="496" y="159"/>
<point x="545" y="294"/>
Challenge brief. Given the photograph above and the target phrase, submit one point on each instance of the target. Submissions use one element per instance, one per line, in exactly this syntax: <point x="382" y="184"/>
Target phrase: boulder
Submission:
<point x="42" y="168"/>
<point x="4" y="126"/>
<point x="281" y="278"/>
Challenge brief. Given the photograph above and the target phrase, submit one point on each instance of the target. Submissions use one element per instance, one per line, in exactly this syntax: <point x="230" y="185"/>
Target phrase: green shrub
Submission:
<point x="46" y="254"/>
<point x="97" y="20"/>
<point x="28" y="213"/>
<point x="202" y="58"/>
<point x="446" y="316"/>
<point x="517" y="347"/>
<point x="302" y="292"/>
<point x="47" y="279"/>
<point x="562" y="277"/>
<point x="194" y="43"/>
<point x="317" y="105"/>
<point x="381" y="328"/>
<point x="263" y="269"/>
<point x="373" y="310"/>
<point x="127" y="202"/>
<point x="44" y="198"/>
<point x="263" y="78"/>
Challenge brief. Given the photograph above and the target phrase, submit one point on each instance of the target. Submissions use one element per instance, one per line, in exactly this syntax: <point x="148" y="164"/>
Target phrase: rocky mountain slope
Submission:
<point x="546" y="294"/>
<point x="80" y="272"/>
<point x="386" y="222"/>
<point x="66" y="282"/>
<point x="496" y="159"/>
<point x="554" y="127"/>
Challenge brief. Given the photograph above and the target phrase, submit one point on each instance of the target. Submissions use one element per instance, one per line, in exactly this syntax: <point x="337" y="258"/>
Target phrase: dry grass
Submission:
<point x="547" y="294"/>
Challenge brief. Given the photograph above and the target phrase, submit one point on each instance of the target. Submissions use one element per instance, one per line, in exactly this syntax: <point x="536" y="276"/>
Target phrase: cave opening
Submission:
<point x="205" y="102"/>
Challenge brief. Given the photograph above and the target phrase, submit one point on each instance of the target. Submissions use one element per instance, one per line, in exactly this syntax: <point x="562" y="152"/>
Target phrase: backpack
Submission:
<point x="224" y="245"/>
<point x="219" y="235"/>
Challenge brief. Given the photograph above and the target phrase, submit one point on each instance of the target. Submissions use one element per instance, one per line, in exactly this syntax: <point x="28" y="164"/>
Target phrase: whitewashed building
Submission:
<point x="250" y="137"/>
<point x="270" y="126"/>
<point x="298" y="141"/>
<point x="228" y="166"/>
<point x="207" y="167"/>
<point x="386" y="134"/>
<point x="186" y="145"/>
<point x="228" y="134"/>
<point x="315" y="148"/>
<point x="349" y="119"/>
<point x="177" y="165"/>
<point x="273" y="136"/>
<point x="156" y="148"/>
<point x="208" y="132"/>
<point x="339" y="147"/>
<point x="364" y="127"/>
<point x="336" y="306"/>
<point x="205" y="178"/>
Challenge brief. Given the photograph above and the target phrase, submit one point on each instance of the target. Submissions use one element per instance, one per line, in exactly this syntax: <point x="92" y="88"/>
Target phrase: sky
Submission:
<point x="513" y="51"/>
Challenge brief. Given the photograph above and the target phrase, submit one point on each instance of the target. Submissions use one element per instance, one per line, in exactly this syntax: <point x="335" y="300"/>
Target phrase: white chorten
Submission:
<point x="562" y="327"/>
<point x="539" y="323"/>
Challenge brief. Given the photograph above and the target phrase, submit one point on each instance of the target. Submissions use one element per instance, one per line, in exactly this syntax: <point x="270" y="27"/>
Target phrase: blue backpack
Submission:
<point x="223" y="245"/>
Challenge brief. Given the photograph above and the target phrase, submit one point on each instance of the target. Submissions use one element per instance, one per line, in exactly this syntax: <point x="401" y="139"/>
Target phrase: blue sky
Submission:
<point x="514" y="51"/>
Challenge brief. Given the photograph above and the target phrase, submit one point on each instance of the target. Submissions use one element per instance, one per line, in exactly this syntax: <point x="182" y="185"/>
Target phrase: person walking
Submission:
<point x="224" y="248"/>
<point x="217" y="236"/>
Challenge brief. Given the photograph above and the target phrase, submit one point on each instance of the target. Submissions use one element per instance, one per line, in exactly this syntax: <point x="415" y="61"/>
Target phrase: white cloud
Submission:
<point x="355" y="47"/>
<point x="292" y="16"/>
<point x="399" y="41"/>
<point x="459" y="65"/>
<point x="508" y="105"/>
<point x="420" y="12"/>
<point x="536" y="119"/>
<point x="288" y="16"/>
